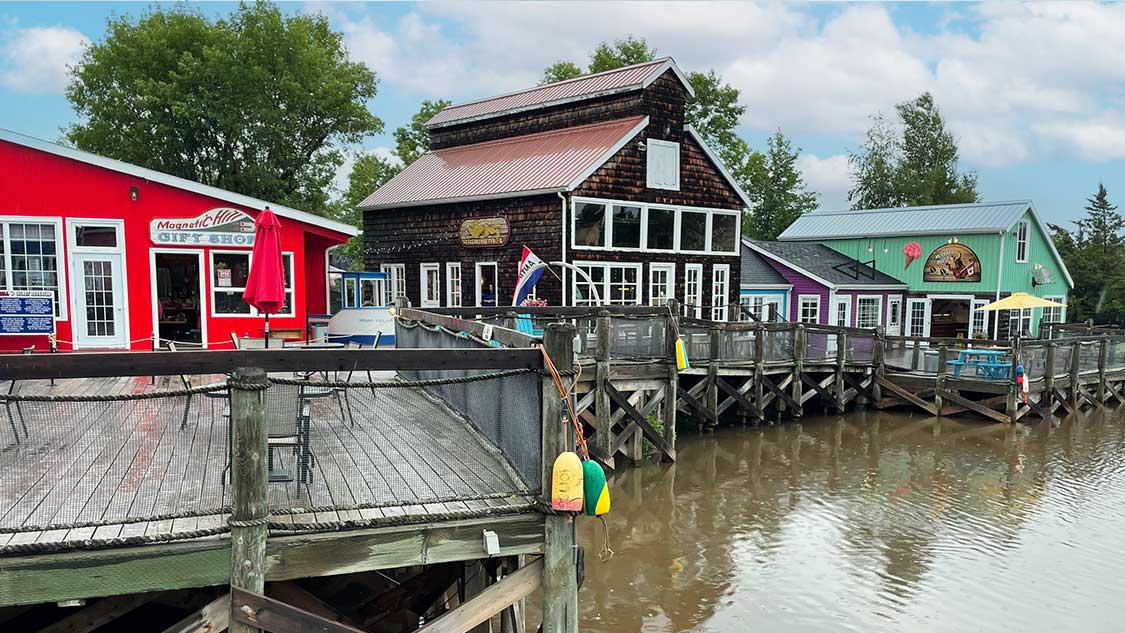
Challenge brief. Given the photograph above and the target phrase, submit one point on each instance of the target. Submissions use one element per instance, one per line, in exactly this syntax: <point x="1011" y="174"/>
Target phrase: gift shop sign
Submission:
<point x="216" y="227"/>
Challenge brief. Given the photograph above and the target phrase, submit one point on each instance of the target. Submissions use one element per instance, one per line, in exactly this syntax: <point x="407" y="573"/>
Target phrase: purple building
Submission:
<point x="832" y="289"/>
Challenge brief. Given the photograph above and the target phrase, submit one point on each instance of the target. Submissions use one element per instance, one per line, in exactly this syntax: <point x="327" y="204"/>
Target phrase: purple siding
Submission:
<point x="802" y="285"/>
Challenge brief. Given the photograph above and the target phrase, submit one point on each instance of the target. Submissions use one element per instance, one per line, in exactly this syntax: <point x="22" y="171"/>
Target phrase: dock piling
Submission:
<point x="560" y="581"/>
<point x="249" y="486"/>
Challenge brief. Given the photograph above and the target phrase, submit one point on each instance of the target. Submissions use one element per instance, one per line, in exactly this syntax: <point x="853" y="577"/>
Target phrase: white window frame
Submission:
<point x="1026" y="316"/>
<point x="477" y="267"/>
<point x="679" y="210"/>
<point x="1062" y="311"/>
<point x="453" y="285"/>
<point x="878" y="309"/>
<point x="669" y="291"/>
<point x="655" y="146"/>
<point x="894" y="316"/>
<point x="814" y="300"/>
<point x="719" y="300"/>
<point x="212" y="288"/>
<point x="837" y="301"/>
<point x="62" y="260"/>
<point x="605" y="289"/>
<point x="1023" y="241"/>
<point x="976" y="311"/>
<point x="395" y="286"/>
<point x="423" y="288"/>
<point x="697" y="270"/>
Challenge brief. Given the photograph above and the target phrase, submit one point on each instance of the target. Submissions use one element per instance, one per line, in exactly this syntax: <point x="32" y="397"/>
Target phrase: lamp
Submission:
<point x="134" y="193"/>
<point x="641" y="146"/>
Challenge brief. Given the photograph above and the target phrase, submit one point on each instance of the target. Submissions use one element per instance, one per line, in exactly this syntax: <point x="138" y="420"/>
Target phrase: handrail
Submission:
<point x="505" y="336"/>
<point x="556" y="311"/>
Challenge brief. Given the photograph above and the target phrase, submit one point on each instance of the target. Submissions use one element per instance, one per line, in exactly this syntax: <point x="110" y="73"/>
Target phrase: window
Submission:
<point x="1054" y="315"/>
<point x="589" y="224"/>
<point x="663" y="164"/>
<point x="626" y="226"/>
<point x="616" y="284"/>
<point x="1023" y="232"/>
<point x="29" y="258"/>
<point x="754" y="305"/>
<point x="453" y="284"/>
<point x="918" y="317"/>
<point x="720" y="287"/>
<point x="867" y="311"/>
<point x="351" y="299"/>
<point x="808" y="309"/>
<point x="693" y="231"/>
<point x="95" y="236"/>
<point x="1019" y="322"/>
<point x="372" y="291"/>
<point x="661" y="229"/>
<point x="842" y="311"/>
<point x="396" y="282"/>
<point x="661" y="283"/>
<point x="724" y="233"/>
<point x="430" y="280"/>
<point x="980" y="319"/>
<point x="693" y="289"/>
<point x="894" y="314"/>
<point x="229" y="272"/>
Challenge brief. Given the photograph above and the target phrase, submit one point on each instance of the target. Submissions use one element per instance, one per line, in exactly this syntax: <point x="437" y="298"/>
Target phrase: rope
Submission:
<point x="122" y="541"/>
<point x="565" y="392"/>
<point x="406" y="519"/>
<point x="117" y="397"/>
<point x="396" y="503"/>
<point x="248" y="522"/>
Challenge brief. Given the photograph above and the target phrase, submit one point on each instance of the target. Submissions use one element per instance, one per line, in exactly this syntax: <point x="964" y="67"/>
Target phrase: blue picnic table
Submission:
<point x="988" y="363"/>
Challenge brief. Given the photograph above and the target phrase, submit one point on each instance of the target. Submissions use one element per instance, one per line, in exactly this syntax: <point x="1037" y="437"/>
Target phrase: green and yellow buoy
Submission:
<point x="594" y="488"/>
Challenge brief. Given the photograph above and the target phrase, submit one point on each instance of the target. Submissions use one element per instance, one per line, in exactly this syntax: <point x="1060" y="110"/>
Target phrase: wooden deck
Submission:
<point x="118" y="464"/>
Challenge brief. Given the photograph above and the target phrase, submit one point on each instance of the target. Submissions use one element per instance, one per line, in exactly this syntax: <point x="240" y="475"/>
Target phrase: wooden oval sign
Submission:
<point x="485" y="232"/>
<point x="952" y="262"/>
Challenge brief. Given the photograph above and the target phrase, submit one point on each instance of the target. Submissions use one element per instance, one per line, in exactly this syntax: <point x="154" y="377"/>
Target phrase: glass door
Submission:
<point x="918" y="317"/>
<point x="100" y="317"/>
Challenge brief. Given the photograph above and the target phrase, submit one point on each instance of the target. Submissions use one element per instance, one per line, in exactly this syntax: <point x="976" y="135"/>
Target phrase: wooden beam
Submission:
<point x="656" y="438"/>
<point x="906" y="395"/>
<point x="738" y="395"/>
<point x="421" y="589"/>
<point x="973" y="406"/>
<point x="252" y="611"/>
<point x="291" y="593"/>
<point x="780" y="393"/>
<point x="496" y="598"/>
<point x="692" y="403"/>
<point x="214" y="617"/>
<point x="101" y="612"/>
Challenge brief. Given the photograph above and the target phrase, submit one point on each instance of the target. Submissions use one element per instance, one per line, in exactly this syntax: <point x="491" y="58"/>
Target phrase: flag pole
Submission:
<point x="267" y="330"/>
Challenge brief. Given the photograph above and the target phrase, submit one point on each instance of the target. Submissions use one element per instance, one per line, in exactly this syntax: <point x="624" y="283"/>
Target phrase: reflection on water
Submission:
<point x="869" y="522"/>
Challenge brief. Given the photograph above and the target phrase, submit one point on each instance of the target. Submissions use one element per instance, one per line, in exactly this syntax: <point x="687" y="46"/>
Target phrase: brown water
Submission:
<point x="869" y="522"/>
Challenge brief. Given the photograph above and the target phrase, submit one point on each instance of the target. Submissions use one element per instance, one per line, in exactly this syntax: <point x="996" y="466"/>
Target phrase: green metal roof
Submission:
<point x="982" y="217"/>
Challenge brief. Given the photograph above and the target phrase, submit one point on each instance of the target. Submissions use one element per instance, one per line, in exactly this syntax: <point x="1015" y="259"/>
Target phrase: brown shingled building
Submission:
<point x="599" y="171"/>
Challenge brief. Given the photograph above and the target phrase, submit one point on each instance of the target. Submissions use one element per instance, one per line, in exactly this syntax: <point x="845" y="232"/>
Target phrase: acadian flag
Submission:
<point x="527" y="278"/>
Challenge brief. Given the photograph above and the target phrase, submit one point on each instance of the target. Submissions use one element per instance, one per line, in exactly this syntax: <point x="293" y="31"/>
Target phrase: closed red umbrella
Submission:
<point x="265" y="287"/>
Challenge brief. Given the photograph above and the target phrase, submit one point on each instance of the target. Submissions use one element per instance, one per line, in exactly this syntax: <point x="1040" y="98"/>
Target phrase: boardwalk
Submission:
<point x="108" y="463"/>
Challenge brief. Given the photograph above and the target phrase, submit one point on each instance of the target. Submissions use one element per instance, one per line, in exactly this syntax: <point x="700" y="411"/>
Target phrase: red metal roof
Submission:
<point x="546" y="162"/>
<point x="623" y="79"/>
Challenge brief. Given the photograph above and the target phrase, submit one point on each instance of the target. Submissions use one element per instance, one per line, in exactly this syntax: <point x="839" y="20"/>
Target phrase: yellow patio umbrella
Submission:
<point x="1020" y="301"/>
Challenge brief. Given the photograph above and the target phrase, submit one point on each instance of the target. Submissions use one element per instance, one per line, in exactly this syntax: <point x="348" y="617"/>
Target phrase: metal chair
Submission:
<point x="234" y="340"/>
<point x="185" y="380"/>
<point x="9" y="405"/>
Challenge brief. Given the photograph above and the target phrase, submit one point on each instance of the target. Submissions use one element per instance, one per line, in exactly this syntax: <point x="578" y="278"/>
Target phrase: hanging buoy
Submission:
<point x="566" y="483"/>
<point x="681" y="356"/>
<point x="595" y="488"/>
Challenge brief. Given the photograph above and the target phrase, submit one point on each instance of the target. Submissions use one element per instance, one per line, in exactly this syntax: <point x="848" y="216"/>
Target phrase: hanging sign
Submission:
<point x="217" y="227"/>
<point x="485" y="232"/>
<point x="952" y="262"/>
<point x="27" y="312"/>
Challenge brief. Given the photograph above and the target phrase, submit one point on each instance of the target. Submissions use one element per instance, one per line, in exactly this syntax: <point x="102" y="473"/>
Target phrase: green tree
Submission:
<point x="560" y="71"/>
<point x="778" y="191"/>
<point x="1094" y="254"/>
<point x="920" y="167"/>
<point x="255" y="102"/>
<point x="413" y="140"/>
<point x="624" y="52"/>
<point x="369" y="172"/>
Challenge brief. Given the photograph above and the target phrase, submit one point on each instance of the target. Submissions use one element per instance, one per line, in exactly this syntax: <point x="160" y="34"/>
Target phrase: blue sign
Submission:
<point x="27" y="312"/>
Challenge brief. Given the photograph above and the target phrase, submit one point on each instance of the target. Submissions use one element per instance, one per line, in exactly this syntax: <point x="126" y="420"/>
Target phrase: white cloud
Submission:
<point x="37" y="59"/>
<point x="1094" y="140"/>
<point x="829" y="176"/>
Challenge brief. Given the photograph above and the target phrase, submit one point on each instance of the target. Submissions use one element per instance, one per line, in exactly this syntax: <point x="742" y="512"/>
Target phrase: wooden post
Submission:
<point x="760" y="368"/>
<point x="1047" y="398"/>
<point x="1011" y="403"/>
<point x="1103" y="358"/>
<point x="799" y="343"/>
<point x="670" y="389"/>
<point x="942" y="366"/>
<point x="841" y="361"/>
<point x="713" y="369"/>
<point x="249" y="486"/>
<point x="560" y="583"/>
<point x="878" y="361"/>
<point x="1075" y="364"/>
<point x="915" y="355"/>
<point x="603" y="438"/>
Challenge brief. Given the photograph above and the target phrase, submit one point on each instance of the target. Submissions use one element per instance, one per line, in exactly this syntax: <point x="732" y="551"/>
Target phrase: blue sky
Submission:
<point x="1035" y="93"/>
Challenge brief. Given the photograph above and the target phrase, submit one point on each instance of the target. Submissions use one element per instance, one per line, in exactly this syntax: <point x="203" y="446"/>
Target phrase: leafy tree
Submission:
<point x="256" y="102"/>
<point x="1095" y="256"/>
<point x="777" y="190"/>
<point x="370" y="172"/>
<point x="624" y="52"/>
<point x="413" y="140"/>
<point x="560" y="71"/>
<point x="918" y="168"/>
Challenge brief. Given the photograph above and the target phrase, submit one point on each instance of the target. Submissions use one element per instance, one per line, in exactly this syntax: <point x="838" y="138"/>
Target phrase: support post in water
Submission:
<point x="841" y="359"/>
<point x="249" y="486"/>
<point x="670" y="330"/>
<point x="878" y="360"/>
<point x="760" y="368"/>
<point x="603" y="436"/>
<point x="942" y="366"/>
<point x="1075" y="374"/>
<point x="799" y="338"/>
<point x="560" y="581"/>
<point x="1103" y="358"/>
<point x="1047" y="399"/>
<point x="716" y="337"/>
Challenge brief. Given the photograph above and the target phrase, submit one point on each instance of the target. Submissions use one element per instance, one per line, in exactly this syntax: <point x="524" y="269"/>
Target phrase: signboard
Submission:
<point x="218" y="227"/>
<point x="485" y="232"/>
<point x="27" y="312"/>
<point x="952" y="262"/>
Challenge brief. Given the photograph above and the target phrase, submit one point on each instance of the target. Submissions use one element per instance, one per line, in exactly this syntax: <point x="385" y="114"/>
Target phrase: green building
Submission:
<point x="953" y="259"/>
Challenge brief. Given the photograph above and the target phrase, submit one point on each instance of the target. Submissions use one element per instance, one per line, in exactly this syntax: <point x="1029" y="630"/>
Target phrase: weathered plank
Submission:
<point x="492" y="600"/>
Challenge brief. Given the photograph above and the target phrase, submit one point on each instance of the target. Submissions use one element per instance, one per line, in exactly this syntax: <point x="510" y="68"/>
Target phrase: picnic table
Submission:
<point x="988" y="363"/>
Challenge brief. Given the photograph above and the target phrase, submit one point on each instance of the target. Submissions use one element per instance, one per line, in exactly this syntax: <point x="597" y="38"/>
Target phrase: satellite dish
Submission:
<point x="1041" y="276"/>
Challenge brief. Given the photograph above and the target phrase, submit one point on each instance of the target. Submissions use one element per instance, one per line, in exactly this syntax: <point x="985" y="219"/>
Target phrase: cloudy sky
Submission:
<point x="1034" y="93"/>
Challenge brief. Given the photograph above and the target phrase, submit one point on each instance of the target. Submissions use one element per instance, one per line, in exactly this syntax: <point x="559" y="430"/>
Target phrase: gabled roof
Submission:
<point x="718" y="162"/>
<point x="174" y="181"/>
<point x="756" y="271"/>
<point x="822" y="264"/>
<point x="982" y="217"/>
<point x="546" y="162"/>
<point x="635" y="77"/>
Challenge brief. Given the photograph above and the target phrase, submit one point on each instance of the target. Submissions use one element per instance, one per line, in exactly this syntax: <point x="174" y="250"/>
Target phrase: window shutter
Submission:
<point x="663" y="165"/>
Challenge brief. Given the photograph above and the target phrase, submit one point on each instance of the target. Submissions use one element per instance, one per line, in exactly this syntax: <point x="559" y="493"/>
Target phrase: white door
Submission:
<point x="918" y="317"/>
<point x="894" y="316"/>
<point x="431" y="285"/>
<point x="693" y="290"/>
<point x="842" y="311"/>
<point x="99" y="317"/>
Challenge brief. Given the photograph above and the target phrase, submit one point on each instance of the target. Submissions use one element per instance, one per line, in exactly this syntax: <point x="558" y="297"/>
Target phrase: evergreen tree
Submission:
<point x="778" y="191"/>
<point x="1094" y="254"/>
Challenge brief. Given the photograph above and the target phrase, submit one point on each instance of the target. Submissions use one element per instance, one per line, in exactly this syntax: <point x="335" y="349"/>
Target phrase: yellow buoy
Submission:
<point x="595" y="488"/>
<point x="681" y="356"/>
<point x="566" y="483"/>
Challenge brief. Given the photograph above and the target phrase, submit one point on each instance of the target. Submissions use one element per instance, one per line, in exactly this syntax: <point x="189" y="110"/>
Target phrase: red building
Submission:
<point x="128" y="252"/>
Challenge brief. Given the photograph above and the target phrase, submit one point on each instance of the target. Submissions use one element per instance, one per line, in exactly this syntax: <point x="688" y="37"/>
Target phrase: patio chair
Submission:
<point x="185" y="380"/>
<point x="343" y="391"/>
<point x="13" y="408"/>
